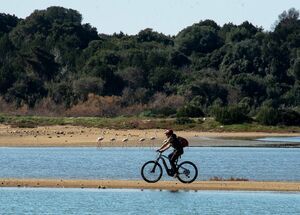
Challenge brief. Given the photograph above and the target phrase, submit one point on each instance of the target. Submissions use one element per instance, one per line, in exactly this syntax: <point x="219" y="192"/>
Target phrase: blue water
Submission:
<point x="273" y="164"/>
<point x="281" y="139"/>
<point x="93" y="201"/>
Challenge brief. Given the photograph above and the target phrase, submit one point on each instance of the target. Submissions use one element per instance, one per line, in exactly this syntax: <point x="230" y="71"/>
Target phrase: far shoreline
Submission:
<point x="80" y="136"/>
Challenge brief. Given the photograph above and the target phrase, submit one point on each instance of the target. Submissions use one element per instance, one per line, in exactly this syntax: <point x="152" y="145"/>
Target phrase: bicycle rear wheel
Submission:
<point x="151" y="171"/>
<point x="187" y="172"/>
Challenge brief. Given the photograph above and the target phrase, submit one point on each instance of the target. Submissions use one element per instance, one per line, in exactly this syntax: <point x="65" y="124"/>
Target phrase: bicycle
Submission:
<point x="151" y="171"/>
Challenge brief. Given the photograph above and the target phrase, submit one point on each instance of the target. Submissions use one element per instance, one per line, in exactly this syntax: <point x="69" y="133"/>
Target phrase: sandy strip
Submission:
<point x="162" y="185"/>
<point x="70" y="136"/>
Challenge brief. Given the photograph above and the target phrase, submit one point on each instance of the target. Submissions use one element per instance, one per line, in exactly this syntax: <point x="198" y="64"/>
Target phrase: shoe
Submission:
<point x="171" y="172"/>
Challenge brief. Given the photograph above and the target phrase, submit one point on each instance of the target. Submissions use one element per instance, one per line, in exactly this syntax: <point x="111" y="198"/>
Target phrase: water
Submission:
<point x="93" y="201"/>
<point x="271" y="164"/>
<point x="281" y="139"/>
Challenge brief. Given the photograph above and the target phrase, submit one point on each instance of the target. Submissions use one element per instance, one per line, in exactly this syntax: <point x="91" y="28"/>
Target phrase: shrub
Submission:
<point x="268" y="116"/>
<point x="24" y="123"/>
<point x="190" y="111"/>
<point x="105" y="106"/>
<point x="161" y="100"/>
<point x="183" y="120"/>
<point x="2" y="119"/>
<point x="289" y="117"/>
<point x="160" y="112"/>
<point x="230" y="115"/>
<point x="146" y="113"/>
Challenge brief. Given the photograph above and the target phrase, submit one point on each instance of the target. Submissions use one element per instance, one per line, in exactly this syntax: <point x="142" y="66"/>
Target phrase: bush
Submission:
<point x="161" y="112"/>
<point x="289" y="117"/>
<point x="24" y="123"/>
<point x="183" y="120"/>
<point x="190" y="111"/>
<point x="230" y="115"/>
<point x="2" y="119"/>
<point x="268" y="116"/>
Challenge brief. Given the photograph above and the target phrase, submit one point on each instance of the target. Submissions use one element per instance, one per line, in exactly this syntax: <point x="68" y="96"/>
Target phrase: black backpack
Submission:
<point x="183" y="142"/>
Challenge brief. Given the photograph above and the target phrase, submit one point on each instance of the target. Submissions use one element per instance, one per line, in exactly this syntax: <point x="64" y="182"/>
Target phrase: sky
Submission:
<point x="165" y="16"/>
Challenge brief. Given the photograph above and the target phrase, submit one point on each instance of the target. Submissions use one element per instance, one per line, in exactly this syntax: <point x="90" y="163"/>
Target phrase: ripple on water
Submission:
<point x="93" y="201"/>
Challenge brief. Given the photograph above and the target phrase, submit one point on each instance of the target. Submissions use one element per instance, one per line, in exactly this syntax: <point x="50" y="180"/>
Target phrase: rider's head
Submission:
<point x="168" y="132"/>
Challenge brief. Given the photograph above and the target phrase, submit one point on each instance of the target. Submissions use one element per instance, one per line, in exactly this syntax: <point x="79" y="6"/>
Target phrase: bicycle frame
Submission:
<point x="163" y="157"/>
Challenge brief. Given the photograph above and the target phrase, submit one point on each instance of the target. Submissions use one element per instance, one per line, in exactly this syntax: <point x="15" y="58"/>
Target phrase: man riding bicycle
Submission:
<point x="173" y="141"/>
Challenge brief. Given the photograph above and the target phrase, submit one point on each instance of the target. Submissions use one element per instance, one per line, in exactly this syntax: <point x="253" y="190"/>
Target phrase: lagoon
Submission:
<point x="280" y="139"/>
<point x="266" y="164"/>
<point x="125" y="201"/>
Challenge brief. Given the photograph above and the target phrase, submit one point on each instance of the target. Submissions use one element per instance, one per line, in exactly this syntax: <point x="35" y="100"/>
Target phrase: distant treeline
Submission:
<point x="52" y="63"/>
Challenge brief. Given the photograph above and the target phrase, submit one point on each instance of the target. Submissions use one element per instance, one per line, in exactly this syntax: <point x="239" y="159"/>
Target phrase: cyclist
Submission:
<point x="173" y="141"/>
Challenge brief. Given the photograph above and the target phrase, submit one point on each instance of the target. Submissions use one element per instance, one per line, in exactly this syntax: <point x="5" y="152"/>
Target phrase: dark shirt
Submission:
<point x="173" y="140"/>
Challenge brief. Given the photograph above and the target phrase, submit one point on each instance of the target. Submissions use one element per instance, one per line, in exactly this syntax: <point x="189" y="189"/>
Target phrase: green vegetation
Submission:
<point x="51" y="64"/>
<point x="268" y="116"/>
<point x="200" y="124"/>
<point x="230" y="115"/>
<point x="272" y="116"/>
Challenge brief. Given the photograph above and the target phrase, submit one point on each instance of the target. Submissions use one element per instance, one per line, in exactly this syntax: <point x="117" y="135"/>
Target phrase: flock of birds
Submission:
<point x="101" y="138"/>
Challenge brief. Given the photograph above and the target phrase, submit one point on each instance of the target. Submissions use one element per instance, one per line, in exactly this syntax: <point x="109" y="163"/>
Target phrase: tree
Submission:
<point x="62" y="93"/>
<point x="6" y="48"/>
<point x="296" y="69"/>
<point x="148" y="35"/>
<point x="242" y="57"/>
<point x="7" y="23"/>
<point x="178" y="59"/>
<point x="198" y="38"/>
<point x="41" y="63"/>
<point x="85" y="85"/>
<point x="134" y="77"/>
<point x="7" y="78"/>
<point x="161" y="76"/>
<point x="57" y="30"/>
<point x="29" y="90"/>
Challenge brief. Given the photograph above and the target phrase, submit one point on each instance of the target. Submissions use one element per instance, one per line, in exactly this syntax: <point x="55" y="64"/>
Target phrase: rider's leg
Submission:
<point x="173" y="157"/>
<point x="170" y="156"/>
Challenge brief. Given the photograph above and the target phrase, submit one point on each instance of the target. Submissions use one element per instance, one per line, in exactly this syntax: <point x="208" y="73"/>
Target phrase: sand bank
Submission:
<point x="82" y="136"/>
<point x="164" y="185"/>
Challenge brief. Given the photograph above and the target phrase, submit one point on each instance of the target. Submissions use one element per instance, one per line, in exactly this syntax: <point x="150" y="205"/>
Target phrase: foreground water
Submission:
<point x="92" y="201"/>
<point x="272" y="164"/>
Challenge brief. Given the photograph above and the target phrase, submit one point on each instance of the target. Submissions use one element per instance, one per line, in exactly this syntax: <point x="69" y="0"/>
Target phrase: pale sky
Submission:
<point x="166" y="16"/>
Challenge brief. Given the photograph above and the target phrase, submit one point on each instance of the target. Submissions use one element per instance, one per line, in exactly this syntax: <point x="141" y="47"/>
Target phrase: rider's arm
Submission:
<point x="164" y="147"/>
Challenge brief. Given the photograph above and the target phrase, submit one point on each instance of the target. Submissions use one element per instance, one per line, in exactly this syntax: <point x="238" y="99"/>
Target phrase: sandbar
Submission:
<point x="161" y="185"/>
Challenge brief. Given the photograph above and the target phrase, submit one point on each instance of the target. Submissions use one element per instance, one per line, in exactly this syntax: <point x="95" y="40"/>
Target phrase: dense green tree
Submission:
<point x="27" y="90"/>
<point x="6" y="49"/>
<point x="7" y="23"/>
<point x="85" y="85"/>
<point x="198" y="38"/>
<point x="41" y="63"/>
<point x="62" y="93"/>
<point x="148" y="35"/>
<point x="161" y="76"/>
<point x="7" y="77"/>
<point x="52" y="54"/>
<point x="296" y="69"/>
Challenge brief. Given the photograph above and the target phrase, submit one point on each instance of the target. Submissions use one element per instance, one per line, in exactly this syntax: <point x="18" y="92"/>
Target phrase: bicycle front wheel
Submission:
<point x="187" y="172"/>
<point x="151" y="171"/>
